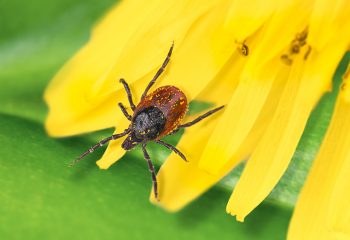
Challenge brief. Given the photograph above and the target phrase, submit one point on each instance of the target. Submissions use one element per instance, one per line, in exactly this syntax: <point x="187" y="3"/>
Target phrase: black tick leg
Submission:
<point x="98" y="145"/>
<point x="172" y="148"/>
<point x="159" y="72"/>
<point x="128" y="92"/>
<point x="126" y="114"/>
<point x="151" y="169"/>
<point x="207" y="114"/>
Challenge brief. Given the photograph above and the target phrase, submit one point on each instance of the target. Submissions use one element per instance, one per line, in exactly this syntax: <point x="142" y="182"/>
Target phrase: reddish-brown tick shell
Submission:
<point x="171" y="101"/>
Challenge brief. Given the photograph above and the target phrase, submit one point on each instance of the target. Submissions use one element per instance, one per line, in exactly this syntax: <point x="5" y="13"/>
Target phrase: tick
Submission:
<point x="158" y="114"/>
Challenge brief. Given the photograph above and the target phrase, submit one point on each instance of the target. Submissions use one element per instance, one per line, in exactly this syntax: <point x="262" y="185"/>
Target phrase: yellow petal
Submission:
<point x="254" y="87"/>
<point x="242" y="20"/>
<point x="147" y="48"/>
<point x="327" y="20"/>
<point x="275" y="35"/>
<point x="75" y="93"/>
<point x="273" y="153"/>
<point x="102" y="114"/>
<point x="66" y="94"/>
<point x="239" y="203"/>
<point x="241" y="112"/>
<point x="322" y="211"/>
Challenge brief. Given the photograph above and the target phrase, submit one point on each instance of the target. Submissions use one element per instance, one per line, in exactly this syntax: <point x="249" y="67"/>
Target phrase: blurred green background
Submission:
<point x="41" y="198"/>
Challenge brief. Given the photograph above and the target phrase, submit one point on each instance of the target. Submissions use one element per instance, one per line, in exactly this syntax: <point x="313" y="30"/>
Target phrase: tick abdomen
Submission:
<point x="171" y="101"/>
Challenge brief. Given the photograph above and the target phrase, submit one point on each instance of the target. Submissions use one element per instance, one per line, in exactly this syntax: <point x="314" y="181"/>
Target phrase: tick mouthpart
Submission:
<point x="130" y="142"/>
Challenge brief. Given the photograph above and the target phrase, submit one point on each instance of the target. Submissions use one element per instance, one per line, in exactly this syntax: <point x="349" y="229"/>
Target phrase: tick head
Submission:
<point x="130" y="141"/>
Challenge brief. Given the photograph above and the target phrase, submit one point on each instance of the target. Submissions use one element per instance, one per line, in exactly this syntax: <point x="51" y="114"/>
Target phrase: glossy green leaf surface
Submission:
<point x="41" y="198"/>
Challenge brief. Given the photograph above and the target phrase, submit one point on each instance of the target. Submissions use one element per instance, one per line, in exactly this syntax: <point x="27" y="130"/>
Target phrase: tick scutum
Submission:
<point x="146" y="125"/>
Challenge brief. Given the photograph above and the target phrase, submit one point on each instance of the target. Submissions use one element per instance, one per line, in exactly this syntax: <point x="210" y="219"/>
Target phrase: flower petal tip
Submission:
<point x="57" y="129"/>
<point x="171" y="208"/>
<point x="51" y="129"/>
<point x="153" y="200"/>
<point x="238" y="217"/>
<point x="102" y="164"/>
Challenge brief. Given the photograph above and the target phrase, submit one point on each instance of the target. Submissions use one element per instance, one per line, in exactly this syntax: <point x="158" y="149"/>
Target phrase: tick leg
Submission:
<point x="207" y="114"/>
<point x="159" y="72"/>
<point x="151" y="169"/>
<point x="126" y="114"/>
<point x="172" y="148"/>
<point x="98" y="145"/>
<point x="128" y="92"/>
<point x="174" y="132"/>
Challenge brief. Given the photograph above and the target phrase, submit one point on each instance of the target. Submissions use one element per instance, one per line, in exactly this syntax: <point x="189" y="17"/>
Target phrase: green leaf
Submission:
<point x="37" y="38"/>
<point x="42" y="198"/>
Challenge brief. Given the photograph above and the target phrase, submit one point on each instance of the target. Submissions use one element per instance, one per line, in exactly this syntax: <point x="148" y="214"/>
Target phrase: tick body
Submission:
<point x="158" y="114"/>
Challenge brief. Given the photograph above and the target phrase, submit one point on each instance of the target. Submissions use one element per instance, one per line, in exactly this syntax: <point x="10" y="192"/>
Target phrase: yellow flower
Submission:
<point x="269" y="62"/>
